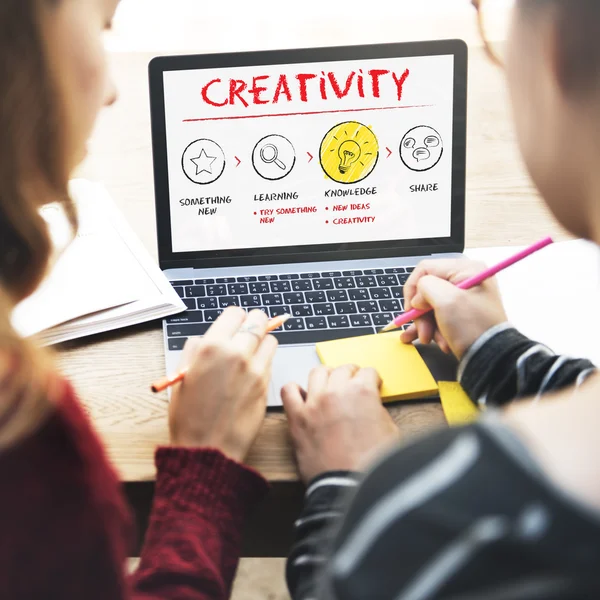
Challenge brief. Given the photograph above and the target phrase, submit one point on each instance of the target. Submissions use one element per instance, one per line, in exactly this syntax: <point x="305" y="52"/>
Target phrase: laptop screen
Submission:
<point x="310" y="154"/>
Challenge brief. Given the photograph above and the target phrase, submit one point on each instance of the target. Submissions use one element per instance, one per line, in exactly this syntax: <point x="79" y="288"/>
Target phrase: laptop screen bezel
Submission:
<point x="318" y="252"/>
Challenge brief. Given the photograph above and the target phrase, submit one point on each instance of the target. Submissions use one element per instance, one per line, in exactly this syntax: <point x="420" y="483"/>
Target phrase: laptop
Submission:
<point x="306" y="181"/>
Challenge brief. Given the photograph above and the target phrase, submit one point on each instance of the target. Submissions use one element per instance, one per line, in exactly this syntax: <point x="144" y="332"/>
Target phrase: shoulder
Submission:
<point x="562" y="436"/>
<point x="460" y="471"/>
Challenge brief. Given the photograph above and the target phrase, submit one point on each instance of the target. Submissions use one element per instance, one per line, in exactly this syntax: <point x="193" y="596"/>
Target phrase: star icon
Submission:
<point x="203" y="162"/>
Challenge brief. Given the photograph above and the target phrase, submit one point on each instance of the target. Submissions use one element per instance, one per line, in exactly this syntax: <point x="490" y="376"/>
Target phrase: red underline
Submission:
<point x="316" y="112"/>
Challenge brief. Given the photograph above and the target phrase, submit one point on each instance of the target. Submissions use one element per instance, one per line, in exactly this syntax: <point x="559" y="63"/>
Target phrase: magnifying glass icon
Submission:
<point x="270" y="154"/>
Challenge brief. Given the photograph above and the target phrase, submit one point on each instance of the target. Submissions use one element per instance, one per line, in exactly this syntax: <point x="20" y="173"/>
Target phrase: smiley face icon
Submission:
<point x="421" y="148"/>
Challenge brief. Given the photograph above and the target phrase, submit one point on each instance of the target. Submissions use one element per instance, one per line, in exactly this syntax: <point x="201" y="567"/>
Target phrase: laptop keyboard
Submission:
<point x="324" y="305"/>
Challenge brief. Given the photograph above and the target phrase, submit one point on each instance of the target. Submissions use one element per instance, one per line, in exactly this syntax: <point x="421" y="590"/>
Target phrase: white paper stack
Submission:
<point x="103" y="280"/>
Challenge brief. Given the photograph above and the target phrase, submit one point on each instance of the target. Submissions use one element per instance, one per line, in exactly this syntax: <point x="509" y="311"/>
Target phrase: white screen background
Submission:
<point x="427" y="99"/>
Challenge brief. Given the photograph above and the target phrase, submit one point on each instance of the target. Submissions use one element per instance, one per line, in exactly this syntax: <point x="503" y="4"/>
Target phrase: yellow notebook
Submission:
<point x="458" y="407"/>
<point x="404" y="373"/>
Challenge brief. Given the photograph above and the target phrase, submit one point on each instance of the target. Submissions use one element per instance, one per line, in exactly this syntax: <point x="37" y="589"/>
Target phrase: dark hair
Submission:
<point x="578" y="23"/>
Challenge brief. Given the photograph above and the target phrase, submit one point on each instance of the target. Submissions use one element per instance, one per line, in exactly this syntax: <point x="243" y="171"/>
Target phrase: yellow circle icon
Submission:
<point x="349" y="152"/>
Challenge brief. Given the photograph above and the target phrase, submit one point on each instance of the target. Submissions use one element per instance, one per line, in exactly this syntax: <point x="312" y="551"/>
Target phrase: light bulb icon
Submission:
<point x="349" y="152"/>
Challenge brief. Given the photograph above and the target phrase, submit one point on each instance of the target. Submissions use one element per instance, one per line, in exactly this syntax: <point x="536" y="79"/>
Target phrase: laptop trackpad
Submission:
<point x="291" y="364"/>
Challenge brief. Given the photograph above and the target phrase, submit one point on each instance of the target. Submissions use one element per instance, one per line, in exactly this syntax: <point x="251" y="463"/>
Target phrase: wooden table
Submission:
<point x="112" y="371"/>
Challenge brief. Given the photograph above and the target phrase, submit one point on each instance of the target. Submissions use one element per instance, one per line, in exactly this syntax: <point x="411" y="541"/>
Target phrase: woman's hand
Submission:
<point x="339" y="423"/>
<point x="460" y="317"/>
<point x="222" y="400"/>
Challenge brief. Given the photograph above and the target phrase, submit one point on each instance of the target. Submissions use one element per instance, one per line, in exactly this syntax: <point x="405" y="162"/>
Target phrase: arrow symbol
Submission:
<point x="310" y="155"/>
<point x="389" y="151"/>
<point x="238" y="160"/>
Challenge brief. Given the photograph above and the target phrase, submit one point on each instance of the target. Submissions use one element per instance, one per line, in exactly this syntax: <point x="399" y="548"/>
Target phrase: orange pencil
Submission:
<point x="165" y="382"/>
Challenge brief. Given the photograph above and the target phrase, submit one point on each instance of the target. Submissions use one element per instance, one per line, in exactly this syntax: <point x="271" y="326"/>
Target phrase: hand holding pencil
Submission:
<point x="222" y="401"/>
<point x="459" y="316"/>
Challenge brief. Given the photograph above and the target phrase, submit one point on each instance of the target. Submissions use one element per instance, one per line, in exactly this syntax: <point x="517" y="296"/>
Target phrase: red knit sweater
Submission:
<point x="65" y="529"/>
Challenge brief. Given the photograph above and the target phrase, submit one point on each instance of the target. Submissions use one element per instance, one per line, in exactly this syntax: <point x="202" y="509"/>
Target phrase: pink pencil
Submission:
<point x="413" y="314"/>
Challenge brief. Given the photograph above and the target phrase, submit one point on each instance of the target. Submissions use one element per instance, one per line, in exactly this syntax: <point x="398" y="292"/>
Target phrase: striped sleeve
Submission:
<point x="433" y="520"/>
<point x="504" y="365"/>
<point x="324" y="503"/>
